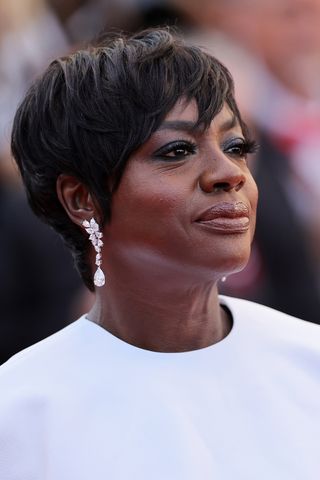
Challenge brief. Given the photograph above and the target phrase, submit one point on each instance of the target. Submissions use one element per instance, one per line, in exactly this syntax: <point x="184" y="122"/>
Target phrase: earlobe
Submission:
<point x="75" y="199"/>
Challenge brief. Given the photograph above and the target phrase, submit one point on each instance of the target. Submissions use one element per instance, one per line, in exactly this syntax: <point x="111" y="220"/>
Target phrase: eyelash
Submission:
<point x="244" y="147"/>
<point x="186" y="146"/>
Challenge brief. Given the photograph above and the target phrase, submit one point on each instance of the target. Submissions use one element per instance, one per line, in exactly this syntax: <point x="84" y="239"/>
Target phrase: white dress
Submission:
<point x="84" y="405"/>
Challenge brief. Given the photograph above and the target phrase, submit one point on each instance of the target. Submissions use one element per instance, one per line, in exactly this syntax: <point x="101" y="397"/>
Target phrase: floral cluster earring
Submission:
<point x="95" y="237"/>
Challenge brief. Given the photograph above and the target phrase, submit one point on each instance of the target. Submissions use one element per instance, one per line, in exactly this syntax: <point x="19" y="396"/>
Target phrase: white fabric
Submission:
<point x="85" y="405"/>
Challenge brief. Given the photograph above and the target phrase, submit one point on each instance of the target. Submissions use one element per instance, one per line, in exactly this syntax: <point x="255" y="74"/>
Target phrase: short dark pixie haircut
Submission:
<point x="91" y="110"/>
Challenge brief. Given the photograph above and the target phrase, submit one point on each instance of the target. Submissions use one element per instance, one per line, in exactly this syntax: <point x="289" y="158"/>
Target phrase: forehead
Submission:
<point x="184" y="110"/>
<point x="187" y="111"/>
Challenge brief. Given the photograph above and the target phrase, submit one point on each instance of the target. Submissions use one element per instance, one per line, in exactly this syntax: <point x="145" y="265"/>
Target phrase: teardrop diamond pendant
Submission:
<point x="99" y="278"/>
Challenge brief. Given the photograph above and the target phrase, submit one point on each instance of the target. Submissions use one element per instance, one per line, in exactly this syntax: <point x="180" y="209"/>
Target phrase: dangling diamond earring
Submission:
<point x="92" y="228"/>
<point x="223" y="279"/>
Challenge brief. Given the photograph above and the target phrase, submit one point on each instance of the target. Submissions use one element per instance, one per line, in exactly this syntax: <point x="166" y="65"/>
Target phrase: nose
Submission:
<point x="222" y="175"/>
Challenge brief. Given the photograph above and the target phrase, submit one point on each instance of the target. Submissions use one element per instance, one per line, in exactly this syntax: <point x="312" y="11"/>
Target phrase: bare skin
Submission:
<point x="162" y="262"/>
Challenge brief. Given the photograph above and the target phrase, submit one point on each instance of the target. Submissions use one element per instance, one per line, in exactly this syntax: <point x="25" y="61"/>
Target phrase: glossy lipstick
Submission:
<point x="226" y="217"/>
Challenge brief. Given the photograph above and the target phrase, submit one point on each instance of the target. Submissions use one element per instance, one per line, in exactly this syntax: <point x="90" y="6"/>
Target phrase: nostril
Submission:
<point x="239" y="186"/>
<point x="211" y="182"/>
<point x="225" y="186"/>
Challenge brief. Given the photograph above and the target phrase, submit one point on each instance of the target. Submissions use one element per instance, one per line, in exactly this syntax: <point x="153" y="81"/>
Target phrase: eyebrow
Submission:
<point x="188" y="126"/>
<point x="230" y="124"/>
<point x="182" y="125"/>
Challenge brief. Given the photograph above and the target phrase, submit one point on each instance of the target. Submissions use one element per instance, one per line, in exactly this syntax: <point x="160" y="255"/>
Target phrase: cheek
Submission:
<point x="253" y="200"/>
<point x="254" y="194"/>
<point x="151" y="199"/>
<point x="145" y="207"/>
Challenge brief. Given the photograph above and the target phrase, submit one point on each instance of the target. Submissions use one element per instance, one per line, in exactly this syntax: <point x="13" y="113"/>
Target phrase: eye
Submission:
<point x="177" y="150"/>
<point x="240" y="147"/>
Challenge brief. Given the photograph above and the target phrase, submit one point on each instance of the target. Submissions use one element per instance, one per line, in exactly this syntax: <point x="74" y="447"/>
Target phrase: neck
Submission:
<point x="167" y="317"/>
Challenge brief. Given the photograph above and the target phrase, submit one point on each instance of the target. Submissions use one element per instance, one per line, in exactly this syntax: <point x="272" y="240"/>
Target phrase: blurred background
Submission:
<point x="272" y="48"/>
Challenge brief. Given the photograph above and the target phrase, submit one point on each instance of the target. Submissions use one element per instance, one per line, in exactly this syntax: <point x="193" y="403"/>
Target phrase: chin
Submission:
<point x="231" y="266"/>
<point x="219" y="266"/>
<point x="225" y="256"/>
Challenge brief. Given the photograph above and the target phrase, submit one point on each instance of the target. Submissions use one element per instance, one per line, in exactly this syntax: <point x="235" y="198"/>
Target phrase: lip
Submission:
<point x="226" y="217"/>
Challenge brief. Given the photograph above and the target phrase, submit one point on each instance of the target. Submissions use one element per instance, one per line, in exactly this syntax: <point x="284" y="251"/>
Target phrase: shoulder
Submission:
<point x="246" y="307"/>
<point x="31" y="383"/>
<point x="44" y="358"/>
<point x="272" y="324"/>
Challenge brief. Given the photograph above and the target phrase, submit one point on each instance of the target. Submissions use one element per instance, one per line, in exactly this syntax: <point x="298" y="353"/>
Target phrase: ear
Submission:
<point x="76" y="199"/>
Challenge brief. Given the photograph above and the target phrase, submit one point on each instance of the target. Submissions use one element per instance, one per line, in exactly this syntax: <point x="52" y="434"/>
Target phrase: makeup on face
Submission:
<point x="186" y="195"/>
<point x="226" y="217"/>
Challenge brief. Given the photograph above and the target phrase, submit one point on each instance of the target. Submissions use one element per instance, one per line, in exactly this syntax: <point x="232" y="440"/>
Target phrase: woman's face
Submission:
<point x="186" y="199"/>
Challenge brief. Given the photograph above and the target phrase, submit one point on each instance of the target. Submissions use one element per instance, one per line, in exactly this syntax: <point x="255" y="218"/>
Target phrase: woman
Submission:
<point x="135" y="152"/>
